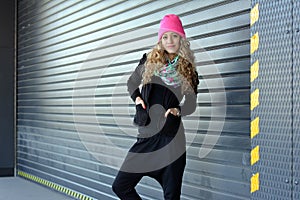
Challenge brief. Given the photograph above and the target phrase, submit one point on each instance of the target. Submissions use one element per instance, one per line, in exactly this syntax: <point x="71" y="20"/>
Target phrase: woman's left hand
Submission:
<point x="173" y="111"/>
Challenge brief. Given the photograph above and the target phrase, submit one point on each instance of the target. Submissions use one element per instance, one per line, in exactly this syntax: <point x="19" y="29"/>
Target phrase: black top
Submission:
<point x="158" y="98"/>
<point x="187" y="107"/>
<point x="164" y="95"/>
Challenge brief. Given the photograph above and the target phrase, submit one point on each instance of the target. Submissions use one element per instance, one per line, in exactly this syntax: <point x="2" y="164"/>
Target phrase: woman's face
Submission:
<point x="171" y="42"/>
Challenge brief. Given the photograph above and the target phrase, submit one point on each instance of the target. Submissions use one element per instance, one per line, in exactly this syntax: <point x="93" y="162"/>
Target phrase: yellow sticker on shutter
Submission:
<point x="254" y="42"/>
<point x="254" y="14"/>
<point x="254" y="99"/>
<point x="254" y="127"/>
<point x="254" y="71"/>
<point x="255" y="182"/>
<point x="254" y="155"/>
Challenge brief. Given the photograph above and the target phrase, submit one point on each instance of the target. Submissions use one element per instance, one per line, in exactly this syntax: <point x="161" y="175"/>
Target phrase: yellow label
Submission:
<point x="254" y="155"/>
<point x="254" y="14"/>
<point x="254" y="71"/>
<point x="254" y="127"/>
<point x="254" y="99"/>
<point x="255" y="182"/>
<point x="254" y="42"/>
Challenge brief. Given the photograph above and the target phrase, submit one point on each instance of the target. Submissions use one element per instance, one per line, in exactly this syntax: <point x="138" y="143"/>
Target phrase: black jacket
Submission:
<point x="186" y="108"/>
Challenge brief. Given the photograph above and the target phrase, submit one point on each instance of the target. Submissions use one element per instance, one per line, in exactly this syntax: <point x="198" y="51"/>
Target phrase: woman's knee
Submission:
<point x="116" y="188"/>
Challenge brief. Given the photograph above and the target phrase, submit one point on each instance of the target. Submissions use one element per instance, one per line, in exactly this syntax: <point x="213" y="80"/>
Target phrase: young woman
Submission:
<point x="168" y="75"/>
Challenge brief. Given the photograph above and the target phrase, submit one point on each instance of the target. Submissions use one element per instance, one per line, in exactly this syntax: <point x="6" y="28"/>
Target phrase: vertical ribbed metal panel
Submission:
<point x="274" y="82"/>
<point x="74" y="113"/>
<point x="296" y="99"/>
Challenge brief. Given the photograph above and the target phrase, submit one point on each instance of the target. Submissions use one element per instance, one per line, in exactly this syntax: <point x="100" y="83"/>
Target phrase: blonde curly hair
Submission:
<point x="186" y="68"/>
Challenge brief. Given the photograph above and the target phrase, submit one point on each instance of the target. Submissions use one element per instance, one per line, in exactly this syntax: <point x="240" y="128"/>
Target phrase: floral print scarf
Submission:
<point x="168" y="73"/>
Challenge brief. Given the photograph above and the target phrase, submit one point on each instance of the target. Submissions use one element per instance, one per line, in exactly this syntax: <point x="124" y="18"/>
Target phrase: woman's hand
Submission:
<point x="139" y="100"/>
<point x="173" y="111"/>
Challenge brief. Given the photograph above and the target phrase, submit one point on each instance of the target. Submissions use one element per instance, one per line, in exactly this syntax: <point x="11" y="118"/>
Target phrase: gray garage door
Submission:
<point x="74" y="116"/>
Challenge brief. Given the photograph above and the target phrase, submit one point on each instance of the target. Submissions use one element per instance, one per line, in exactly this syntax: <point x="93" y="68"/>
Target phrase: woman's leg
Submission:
<point x="124" y="185"/>
<point x="171" y="179"/>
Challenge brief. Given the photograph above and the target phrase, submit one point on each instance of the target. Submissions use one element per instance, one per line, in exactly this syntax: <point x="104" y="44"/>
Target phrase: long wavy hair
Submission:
<point x="186" y="68"/>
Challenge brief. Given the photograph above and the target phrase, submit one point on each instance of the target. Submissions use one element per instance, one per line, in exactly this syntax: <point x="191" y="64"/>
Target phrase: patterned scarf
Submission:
<point x="169" y="74"/>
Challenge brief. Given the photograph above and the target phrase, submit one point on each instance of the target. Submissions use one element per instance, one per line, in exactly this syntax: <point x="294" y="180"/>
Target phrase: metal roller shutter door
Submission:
<point x="277" y="136"/>
<point x="73" y="111"/>
<point x="296" y="100"/>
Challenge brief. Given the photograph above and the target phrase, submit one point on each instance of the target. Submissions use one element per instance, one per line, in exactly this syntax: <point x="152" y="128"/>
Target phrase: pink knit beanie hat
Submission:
<point x="172" y="23"/>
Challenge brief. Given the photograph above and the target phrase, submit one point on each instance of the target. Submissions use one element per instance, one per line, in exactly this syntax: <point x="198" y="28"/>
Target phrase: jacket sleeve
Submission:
<point x="190" y="102"/>
<point x="135" y="79"/>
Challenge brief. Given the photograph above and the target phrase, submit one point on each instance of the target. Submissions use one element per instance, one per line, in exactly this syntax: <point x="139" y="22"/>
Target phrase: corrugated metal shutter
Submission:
<point x="74" y="113"/>
<point x="296" y="99"/>
<point x="277" y="134"/>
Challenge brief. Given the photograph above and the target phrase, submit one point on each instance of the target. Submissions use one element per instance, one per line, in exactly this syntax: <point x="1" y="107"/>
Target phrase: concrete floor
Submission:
<point x="17" y="188"/>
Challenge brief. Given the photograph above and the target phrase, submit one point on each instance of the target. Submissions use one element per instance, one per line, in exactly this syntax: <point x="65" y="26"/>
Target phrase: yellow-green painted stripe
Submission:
<point x="54" y="186"/>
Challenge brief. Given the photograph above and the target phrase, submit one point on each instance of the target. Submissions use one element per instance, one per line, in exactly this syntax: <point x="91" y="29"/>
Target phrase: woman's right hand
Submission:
<point x="139" y="100"/>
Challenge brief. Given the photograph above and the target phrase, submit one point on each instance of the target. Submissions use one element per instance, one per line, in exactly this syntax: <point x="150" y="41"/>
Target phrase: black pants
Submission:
<point x="169" y="177"/>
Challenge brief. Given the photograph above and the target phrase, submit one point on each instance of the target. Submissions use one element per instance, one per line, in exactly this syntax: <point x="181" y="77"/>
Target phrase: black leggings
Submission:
<point x="169" y="177"/>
